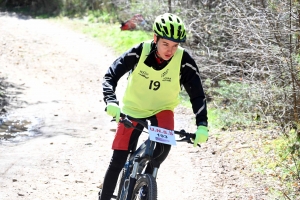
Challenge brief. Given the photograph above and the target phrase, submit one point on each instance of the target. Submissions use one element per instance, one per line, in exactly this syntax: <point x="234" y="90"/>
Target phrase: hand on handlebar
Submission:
<point x="113" y="110"/>
<point x="201" y="135"/>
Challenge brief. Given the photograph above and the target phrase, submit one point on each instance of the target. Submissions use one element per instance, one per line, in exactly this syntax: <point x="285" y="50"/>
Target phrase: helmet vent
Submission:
<point x="172" y="29"/>
<point x="166" y="31"/>
<point x="158" y="27"/>
<point x="179" y="32"/>
<point x="182" y="33"/>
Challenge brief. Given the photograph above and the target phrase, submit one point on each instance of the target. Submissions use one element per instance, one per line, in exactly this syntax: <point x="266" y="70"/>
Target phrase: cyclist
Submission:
<point x="157" y="69"/>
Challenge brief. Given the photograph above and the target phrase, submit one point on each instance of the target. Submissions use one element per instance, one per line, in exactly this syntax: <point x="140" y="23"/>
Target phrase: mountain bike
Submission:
<point x="133" y="182"/>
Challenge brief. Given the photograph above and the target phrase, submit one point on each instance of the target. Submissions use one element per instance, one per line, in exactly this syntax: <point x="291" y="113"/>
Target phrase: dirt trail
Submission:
<point x="56" y="75"/>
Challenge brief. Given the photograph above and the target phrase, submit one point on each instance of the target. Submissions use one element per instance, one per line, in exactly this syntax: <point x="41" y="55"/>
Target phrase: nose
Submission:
<point x="170" y="49"/>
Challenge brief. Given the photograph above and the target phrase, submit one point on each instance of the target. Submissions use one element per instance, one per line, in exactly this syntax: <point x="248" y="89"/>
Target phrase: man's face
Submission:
<point x="165" y="48"/>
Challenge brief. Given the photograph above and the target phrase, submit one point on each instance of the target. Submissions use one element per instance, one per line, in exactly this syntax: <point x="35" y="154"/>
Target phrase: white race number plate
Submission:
<point x="162" y="135"/>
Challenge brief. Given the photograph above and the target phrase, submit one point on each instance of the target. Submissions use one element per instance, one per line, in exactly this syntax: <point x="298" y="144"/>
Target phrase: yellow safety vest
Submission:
<point x="150" y="91"/>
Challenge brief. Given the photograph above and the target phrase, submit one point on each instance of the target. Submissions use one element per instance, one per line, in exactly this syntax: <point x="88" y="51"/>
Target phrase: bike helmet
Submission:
<point x="169" y="26"/>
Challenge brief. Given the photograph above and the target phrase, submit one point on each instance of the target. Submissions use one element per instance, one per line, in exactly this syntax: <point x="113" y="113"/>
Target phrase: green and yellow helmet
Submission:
<point x="169" y="26"/>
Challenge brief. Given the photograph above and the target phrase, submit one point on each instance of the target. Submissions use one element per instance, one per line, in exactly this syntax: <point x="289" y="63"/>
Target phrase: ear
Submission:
<point x="155" y="38"/>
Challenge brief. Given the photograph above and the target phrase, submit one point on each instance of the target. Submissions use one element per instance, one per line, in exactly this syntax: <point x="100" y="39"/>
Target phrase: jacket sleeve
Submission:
<point x="190" y="79"/>
<point x="125" y="63"/>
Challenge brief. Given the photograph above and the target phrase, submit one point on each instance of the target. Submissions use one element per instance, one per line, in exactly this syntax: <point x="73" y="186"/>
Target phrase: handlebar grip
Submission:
<point x="193" y="136"/>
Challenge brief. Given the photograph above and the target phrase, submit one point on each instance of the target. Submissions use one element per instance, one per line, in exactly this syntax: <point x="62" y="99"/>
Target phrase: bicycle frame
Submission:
<point x="137" y="160"/>
<point x="140" y="157"/>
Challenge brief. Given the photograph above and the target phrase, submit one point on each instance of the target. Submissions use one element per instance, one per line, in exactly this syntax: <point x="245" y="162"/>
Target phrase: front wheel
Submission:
<point x="145" y="188"/>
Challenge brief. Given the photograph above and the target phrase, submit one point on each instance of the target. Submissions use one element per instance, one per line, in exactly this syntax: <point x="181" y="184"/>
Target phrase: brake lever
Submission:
<point x="127" y="123"/>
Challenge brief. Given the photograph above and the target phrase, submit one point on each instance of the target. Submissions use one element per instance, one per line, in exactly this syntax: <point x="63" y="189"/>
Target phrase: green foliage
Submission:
<point x="283" y="164"/>
<point x="247" y="104"/>
<point x="110" y="34"/>
<point x="99" y="16"/>
<point x="214" y="121"/>
<point x="43" y="16"/>
<point x="149" y="10"/>
<point x="119" y="40"/>
<point x="185" y="99"/>
<point x="234" y="103"/>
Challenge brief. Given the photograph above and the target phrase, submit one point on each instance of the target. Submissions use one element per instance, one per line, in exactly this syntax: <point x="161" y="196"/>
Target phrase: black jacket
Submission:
<point x="189" y="78"/>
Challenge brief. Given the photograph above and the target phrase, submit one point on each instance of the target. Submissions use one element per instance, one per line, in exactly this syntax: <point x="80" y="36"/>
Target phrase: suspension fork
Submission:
<point x="133" y="176"/>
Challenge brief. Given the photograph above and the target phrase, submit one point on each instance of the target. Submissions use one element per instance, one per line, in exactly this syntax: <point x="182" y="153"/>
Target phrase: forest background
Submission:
<point x="248" y="56"/>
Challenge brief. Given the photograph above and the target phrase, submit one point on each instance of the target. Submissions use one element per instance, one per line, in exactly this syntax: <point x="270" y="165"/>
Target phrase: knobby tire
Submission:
<point x="121" y="181"/>
<point x="150" y="182"/>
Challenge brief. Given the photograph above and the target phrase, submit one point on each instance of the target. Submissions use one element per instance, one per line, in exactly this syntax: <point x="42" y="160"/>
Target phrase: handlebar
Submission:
<point x="186" y="137"/>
